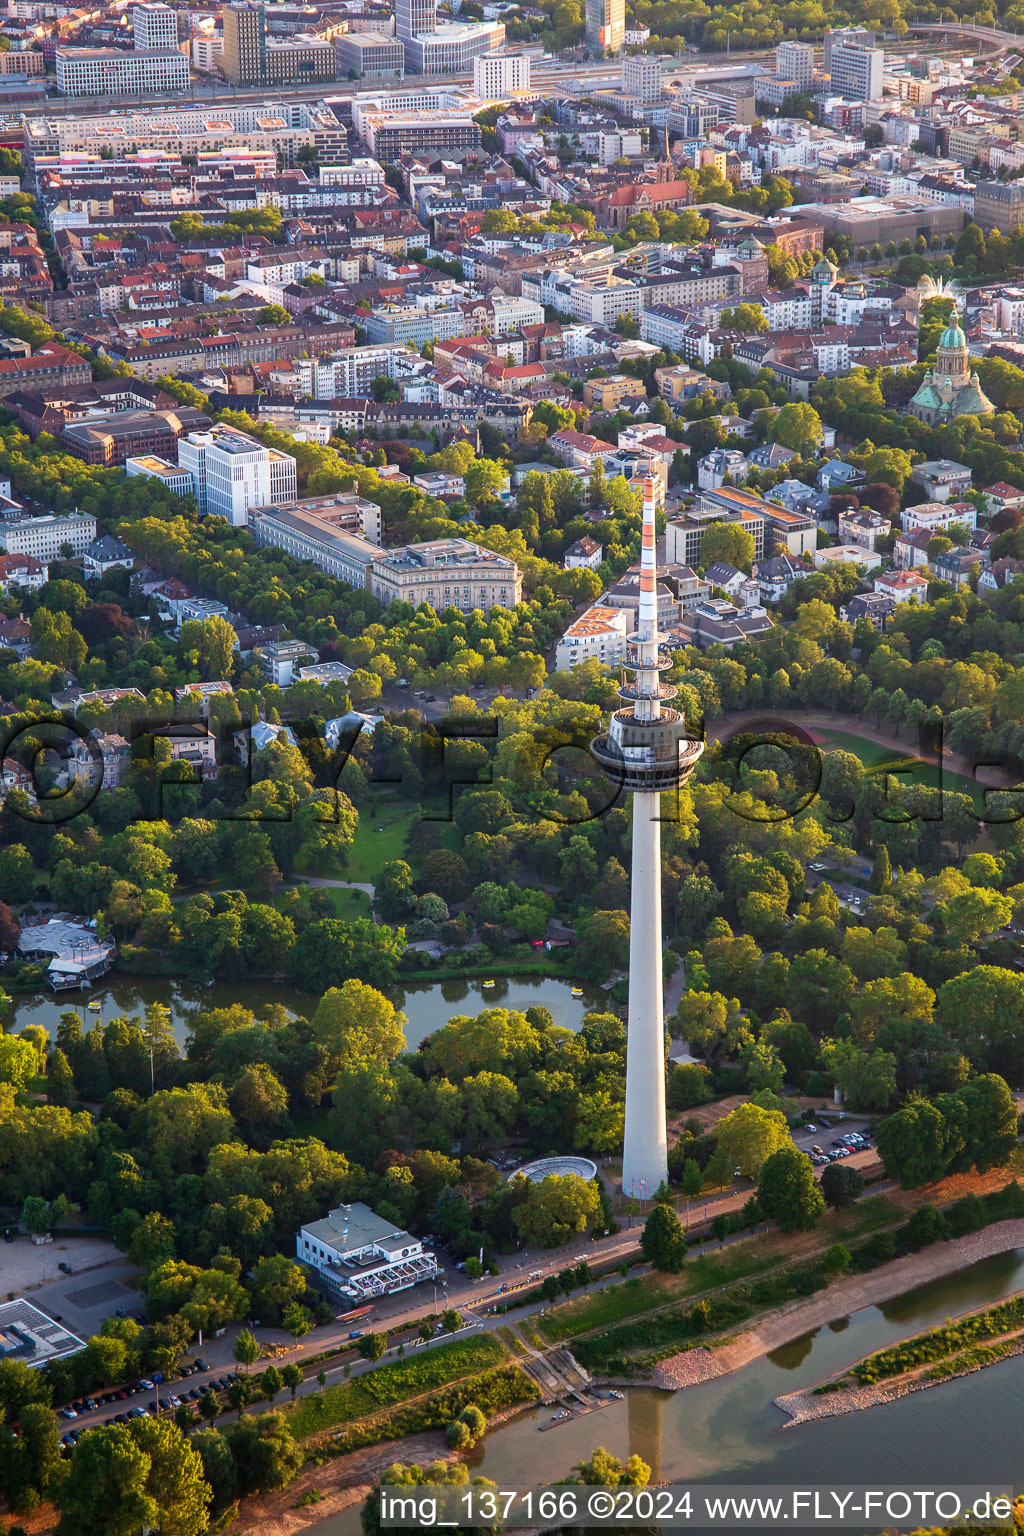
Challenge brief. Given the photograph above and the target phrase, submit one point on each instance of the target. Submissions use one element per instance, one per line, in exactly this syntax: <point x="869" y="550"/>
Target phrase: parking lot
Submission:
<point x="83" y="1301"/>
<point x="25" y="1265"/>
<point x="827" y="1131"/>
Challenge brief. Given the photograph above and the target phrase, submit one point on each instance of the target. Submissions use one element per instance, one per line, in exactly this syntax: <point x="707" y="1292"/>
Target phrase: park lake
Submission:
<point x="427" y="1005"/>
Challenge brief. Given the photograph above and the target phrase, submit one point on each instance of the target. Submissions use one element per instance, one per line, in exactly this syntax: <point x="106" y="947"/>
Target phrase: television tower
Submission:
<point x="646" y="751"/>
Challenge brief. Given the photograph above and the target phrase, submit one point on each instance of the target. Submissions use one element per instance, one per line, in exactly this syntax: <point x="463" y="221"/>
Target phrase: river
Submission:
<point x="428" y="1005"/>
<point x="728" y="1432"/>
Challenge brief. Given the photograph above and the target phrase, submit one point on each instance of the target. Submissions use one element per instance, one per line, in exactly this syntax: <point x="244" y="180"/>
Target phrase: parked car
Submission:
<point x="65" y="1269"/>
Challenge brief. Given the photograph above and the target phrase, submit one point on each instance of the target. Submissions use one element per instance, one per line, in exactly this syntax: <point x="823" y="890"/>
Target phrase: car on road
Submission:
<point x="65" y="1269"/>
<point x="356" y="1333"/>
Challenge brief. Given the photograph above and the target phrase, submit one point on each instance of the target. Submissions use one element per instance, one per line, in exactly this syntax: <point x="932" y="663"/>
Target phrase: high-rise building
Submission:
<point x="856" y="71"/>
<point x="154" y="26"/>
<point x="641" y="76"/>
<point x="233" y="473"/>
<point x="861" y="37"/>
<point x="245" y="43"/>
<point x="795" y="61"/>
<point x="646" y="752"/>
<point x="606" y="25"/>
<point x="415" y="16"/>
<point x="499" y="74"/>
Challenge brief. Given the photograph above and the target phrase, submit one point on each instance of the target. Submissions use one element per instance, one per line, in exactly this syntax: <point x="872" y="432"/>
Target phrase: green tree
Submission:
<point x="840" y="1185"/>
<point x="749" y="1135"/>
<point x="788" y="1192"/>
<point x="557" y="1208"/>
<point x="881" y="873"/>
<point x="661" y="1241"/>
<point x="296" y="1320"/>
<point x="729" y="543"/>
<point x="276" y="1282"/>
<point x="272" y="1382"/>
<point x="798" y="425"/>
<point x="373" y="1346"/>
<point x="247" y="1348"/>
<point x="129" y="1477"/>
<point x="914" y="1143"/>
<point x="291" y="1375"/>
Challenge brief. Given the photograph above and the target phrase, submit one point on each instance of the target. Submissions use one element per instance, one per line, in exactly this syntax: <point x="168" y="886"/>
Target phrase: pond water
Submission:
<point x="729" y="1431"/>
<point x="428" y="1006"/>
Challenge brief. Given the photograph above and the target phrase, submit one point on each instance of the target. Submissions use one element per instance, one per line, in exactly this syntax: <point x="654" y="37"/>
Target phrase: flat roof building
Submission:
<point x="347" y="556"/>
<point x="446" y="573"/>
<point x="109" y="72"/>
<point x="362" y="1255"/>
<point x="29" y="1335"/>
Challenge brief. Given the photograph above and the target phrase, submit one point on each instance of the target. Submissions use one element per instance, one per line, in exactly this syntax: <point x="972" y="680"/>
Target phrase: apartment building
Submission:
<point x="233" y="473"/>
<point x="597" y="635"/>
<point x="999" y="205"/>
<point x="605" y="22"/>
<point x="641" y="77"/>
<point x="795" y="62"/>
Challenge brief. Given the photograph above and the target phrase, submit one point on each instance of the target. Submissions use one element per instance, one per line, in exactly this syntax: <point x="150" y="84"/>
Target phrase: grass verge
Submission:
<point x="394" y="1383"/>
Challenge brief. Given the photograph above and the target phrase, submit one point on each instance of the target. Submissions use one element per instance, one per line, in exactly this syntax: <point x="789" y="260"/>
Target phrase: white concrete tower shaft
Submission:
<point x="645" y="1147"/>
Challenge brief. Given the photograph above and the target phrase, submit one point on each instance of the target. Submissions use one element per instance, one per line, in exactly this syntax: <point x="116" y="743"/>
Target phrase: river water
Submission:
<point x="728" y="1432"/>
<point x="428" y="1006"/>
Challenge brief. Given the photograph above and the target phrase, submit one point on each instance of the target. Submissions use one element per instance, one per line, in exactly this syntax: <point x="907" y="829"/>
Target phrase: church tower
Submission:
<point x="952" y="388"/>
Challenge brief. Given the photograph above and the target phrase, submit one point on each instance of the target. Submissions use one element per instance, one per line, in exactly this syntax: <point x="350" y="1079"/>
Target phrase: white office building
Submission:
<point x="856" y="71"/>
<point x="107" y="72"/>
<point x="232" y="473"/>
<point x="154" y="26"/>
<point x="795" y="61"/>
<point x="48" y="537"/>
<point x="496" y="75"/>
<point x="363" y="1255"/>
<point x="641" y="76"/>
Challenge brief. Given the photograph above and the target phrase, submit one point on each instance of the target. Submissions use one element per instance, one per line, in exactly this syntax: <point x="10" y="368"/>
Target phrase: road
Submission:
<point x="480" y="1303"/>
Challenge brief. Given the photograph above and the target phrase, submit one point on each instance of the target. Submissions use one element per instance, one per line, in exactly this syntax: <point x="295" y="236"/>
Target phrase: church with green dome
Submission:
<point x="951" y="389"/>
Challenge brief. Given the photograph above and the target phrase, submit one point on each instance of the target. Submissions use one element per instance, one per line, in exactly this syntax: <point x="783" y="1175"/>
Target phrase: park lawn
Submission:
<point x="873" y="756"/>
<point x="370" y="848"/>
<point x="396" y="1383"/>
